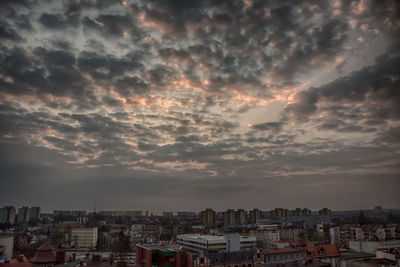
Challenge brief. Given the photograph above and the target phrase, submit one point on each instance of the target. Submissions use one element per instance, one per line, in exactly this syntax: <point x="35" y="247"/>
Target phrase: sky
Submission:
<point x="186" y="105"/>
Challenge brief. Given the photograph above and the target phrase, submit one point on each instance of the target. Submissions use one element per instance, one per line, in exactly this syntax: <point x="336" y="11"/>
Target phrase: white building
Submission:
<point x="372" y="246"/>
<point x="212" y="243"/>
<point x="84" y="237"/>
<point x="7" y="246"/>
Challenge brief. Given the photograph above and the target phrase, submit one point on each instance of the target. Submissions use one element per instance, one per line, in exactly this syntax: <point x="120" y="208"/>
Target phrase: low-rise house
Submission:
<point x="284" y="256"/>
<point x="326" y="253"/>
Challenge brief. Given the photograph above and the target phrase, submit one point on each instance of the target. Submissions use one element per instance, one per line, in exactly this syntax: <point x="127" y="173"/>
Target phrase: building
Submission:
<point x="325" y="212"/>
<point x="168" y="214"/>
<point x="34" y="215"/>
<point x="185" y="213"/>
<point x="45" y="256"/>
<point x="284" y="256"/>
<point x="134" y="213"/>
<point x="19" y="261"/>
<point x="391" y="254"/>
<point x="267" y="236"/>
<point x="84" y="237"/>
<point x="301" y="212"/>
<point x="293" y="234"/>
<point x="149" y="255"/>
<point x="357" y="233"/>
<point x="72" y="213"/>
<point x="208" y="218"/>
<point x="325" y="253"/>
<point x="365" y="246"/>
<point x="229" y="217"/>
<point x="254" y="215"/>
<point x="280" y="213"/>
<point x="232" y="217"/>
<point x="241" y="216"/>
<point x="23" y="215"/>
<point x="7" y="246"/>
<point x="247" y="258"/>
<point x="197" y="243"/>
<point x="7" y="215"/>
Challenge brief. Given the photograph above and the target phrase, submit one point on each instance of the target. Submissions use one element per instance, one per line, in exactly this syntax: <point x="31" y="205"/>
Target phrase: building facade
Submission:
<point x="23" y="215"/>
<point x="7" y="215"/>
<point x="34" y="215"/>
<point x="197" y="243"/>
<point x="208" y="218"/>
<point x="284" y="256"/>
<point x="84" y="237"/>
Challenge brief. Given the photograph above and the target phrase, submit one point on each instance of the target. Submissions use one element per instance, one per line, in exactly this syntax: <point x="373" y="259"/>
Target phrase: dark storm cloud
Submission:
<point x="176" y="101"/>
<point x="54" y="58"/>
<point x="373" y="87"/>
<point x="110" y="24"/>
<point x="8" y="33"/>
<point x="268" y="126"/>
<point x="108" y="66"/>
<point x="57" y="21"/>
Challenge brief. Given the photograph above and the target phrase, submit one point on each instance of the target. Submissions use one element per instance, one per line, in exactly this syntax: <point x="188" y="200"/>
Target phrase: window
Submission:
<point x="322" y="251"/>
<point x="201" y="260"/>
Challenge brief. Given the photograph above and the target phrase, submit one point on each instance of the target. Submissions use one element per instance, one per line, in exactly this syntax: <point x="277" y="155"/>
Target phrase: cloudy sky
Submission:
<point x="182" y="105"/>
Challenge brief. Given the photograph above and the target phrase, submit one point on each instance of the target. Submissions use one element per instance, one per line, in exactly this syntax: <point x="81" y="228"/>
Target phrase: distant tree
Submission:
<point x="317" y="237"/>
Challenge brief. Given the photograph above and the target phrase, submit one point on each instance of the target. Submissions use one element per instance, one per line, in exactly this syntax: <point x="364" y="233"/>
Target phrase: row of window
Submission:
<point x="284" y="257"/>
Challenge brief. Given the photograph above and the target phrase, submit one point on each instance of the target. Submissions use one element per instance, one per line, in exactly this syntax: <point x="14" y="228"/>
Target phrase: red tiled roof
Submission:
<point x="18" y="264"/>
<point x="281" y="250"/>
<point x="45" y="253"/>
<point x="322" y="251"/>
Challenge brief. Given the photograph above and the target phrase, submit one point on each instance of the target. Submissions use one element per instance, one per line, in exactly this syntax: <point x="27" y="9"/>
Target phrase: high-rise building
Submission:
<point x="301" y="212"/>
<point x="241" y="216"/>
<point x="280" y="213"/>
<point x="325" y="212"/>
<point x="208" y="217"/>
<point x="254" y="215"/>
<point x="229" y="217"/>
<point x="23" y="215"/>
<point x="34" y="215"/>
<point x="232" y="217"/>
<point x="7" y="215"/>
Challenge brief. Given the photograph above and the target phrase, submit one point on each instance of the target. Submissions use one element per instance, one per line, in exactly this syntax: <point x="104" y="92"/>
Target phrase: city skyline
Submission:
<point x="184" y="105"/>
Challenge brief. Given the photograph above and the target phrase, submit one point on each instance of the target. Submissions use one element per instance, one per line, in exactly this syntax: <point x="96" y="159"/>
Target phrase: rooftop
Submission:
<point x="44" y="254"/>
<point x="160" y="247"/>
<point x="211" y="238"/>
<point x="282" y="250"/>
<point x="322" y="251"/>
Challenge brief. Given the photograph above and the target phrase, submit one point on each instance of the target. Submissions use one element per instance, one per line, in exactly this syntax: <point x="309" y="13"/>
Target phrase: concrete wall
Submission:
<point x="7" y="242"/>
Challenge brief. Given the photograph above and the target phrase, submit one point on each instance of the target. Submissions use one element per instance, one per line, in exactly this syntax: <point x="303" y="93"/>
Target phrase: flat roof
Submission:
<point x="160" y="247"/>
<point x="210" y="238"/>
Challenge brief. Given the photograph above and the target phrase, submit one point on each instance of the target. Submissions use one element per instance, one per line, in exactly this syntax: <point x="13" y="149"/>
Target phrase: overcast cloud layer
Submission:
<point x="182" y="105"/>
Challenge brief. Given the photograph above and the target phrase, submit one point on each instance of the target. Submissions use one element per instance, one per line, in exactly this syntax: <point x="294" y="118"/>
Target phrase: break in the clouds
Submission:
<point x="193" y="104"/>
